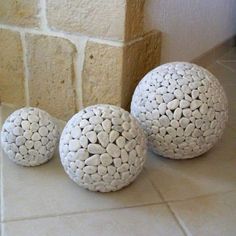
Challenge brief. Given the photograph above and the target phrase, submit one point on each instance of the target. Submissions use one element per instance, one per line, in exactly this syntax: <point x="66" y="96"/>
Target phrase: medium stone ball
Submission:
<point x="102" y="148"/>
<point x="29" y="136"/>
<point x="183" y="109"/>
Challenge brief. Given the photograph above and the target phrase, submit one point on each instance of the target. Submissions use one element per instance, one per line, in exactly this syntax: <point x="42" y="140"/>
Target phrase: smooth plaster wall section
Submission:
<point x="190" y="27"/>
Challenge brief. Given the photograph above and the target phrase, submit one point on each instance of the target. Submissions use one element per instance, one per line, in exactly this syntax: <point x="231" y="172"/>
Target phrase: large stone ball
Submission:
<point x="183" y="109"/>
<point x="29" y="136"/>
<point x="102" y="148"/>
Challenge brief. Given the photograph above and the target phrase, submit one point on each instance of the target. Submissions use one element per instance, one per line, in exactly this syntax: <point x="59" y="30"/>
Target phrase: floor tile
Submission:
<point x="231" y="65"/>
<point x="182" y="179"/>
<point x="152" y="220"/>
<point x="230" y="55"/>
<point x="46" y="190"/>
<point x="208" y="216"/>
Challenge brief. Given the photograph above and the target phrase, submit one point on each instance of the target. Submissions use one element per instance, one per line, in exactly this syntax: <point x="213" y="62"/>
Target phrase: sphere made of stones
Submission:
<point x="102" y="148"/>
<point x="183" y="109"/>
<point x="29" y="136"/>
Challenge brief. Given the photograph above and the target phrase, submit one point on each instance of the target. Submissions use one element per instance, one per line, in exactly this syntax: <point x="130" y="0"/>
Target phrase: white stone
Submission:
<point x="43" y="131"/>
<point x="162" y="108"/>
<point x="178" y="94"/>
<point x="195" y="104"/>
<point x="106" y="159"/>
<point x="23" y="150"/>
<point x="173" y="104"/>
<point x="94" y="120"/>
<point x="25" y="124"/>
<point x="83" y="141"/>
<point x="120" y="142"/>
<point x="102" y="170"/>
<point x="17" y="131"/>
<point x="34" y="127"/>
<point x="74" y="145"/>
<point x="95" y="149"/>
<point x="189" y="129"/>
<point x="187" y="113"/>
<point x="113" y="150"/>
<point x="92" y="136"/>
<point x="103" y="138"/>
<point x="75" y="132"/>
<point x="177" y="113"/>
<point x="90" y="169"/>
<point x="164" y="121"/>
<point x="184" y="104"/>
<point x="168" y="97"/>
<point x="113" y="136"/>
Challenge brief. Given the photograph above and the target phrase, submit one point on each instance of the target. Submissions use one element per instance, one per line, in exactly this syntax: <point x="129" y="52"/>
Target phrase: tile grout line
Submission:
<point x="81" y="212"/>
<point x="164" y="202"/>
<point x="26" y="70"/>
<point x="167" y="205"/>
<point x="226" y="67"/>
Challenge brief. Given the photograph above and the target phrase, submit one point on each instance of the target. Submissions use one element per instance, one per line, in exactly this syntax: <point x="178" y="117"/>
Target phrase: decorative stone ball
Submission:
<point x="183" y="109"/>
<point x="29" y="136"/>
<point x="102" y="148"/>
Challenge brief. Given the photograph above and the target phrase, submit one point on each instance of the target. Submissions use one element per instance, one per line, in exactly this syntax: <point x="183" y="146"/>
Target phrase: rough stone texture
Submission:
<point x="134" y="26"/>
<point x="111" y="73"/>
<point x="11" y="68"/>
<point x="21" y="13"/>
<point x="102" y="74"/>
<point x="51" y="74"/>
<point x="113" y="19"/>
<point x="100" y="18"/>
<point x="139" y="58"/>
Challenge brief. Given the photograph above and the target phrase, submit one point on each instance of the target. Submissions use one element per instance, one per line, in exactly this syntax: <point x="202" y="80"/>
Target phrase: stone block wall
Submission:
<point x="62" y="55"/>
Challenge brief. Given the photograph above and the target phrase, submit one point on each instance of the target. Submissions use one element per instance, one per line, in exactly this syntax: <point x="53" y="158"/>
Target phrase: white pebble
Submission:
<point x="113" y="136"/>
<point x="74" y="145"/>
<point x="113" y="150"/>
<point x="95" y="149"/>
<point x="195" y="104"/>
<point x="93" y="160"/>
<point x="106" y="159"/>
<point x="184" y="104"/>
<point x="92" y="136"/>
<point x="173" y="104"/>
<point x="103" y="138"/>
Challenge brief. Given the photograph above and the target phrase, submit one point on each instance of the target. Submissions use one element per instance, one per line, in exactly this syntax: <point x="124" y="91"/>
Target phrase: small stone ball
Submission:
<point x="183" y="109"/>
<point x="29" y="136"/>
<point x="102" y="148"/>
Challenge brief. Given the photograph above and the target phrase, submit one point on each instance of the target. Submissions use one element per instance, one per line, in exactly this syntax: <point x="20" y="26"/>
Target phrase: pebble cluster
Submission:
<point x="102" y="148"/>
<point x="29" y="136"/>
<point x="183" y="109"/>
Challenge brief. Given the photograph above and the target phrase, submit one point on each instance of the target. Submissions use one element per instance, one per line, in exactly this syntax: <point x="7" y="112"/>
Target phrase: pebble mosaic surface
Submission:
<point x="102" y="148"/>
<point x="183" y="109"/>
<point x="29" y="136"/>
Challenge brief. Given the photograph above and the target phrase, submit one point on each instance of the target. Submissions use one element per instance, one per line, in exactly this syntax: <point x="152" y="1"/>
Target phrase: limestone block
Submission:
<point x="111" y="19"/>
<point x="111" y="73"/>
<point x="21" y="13"/>
<point x="11" y="68"/>
<point x="134" y="26"/>
<point x="139" y="58"/>
<point x="102" y="74"/>
<point x="51" y="74"/>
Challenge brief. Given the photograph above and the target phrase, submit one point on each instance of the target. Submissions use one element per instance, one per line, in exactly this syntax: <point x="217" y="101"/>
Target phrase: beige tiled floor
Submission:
<point x="191" y="197"/>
